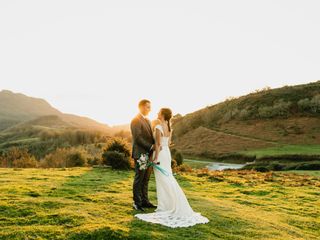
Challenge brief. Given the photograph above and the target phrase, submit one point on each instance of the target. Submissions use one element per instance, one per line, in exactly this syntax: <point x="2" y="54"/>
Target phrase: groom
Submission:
<point x="143" y="143"/>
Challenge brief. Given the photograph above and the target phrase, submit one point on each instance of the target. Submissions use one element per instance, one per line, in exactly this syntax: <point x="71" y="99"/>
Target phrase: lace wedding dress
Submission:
<point x="173" y="207"/>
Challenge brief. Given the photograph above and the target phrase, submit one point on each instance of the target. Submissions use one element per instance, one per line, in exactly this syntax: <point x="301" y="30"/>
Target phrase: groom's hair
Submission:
<point x="143" y="102"/>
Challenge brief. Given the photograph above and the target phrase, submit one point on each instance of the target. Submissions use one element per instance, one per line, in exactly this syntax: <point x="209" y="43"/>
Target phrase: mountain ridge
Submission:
<point x="16" y="108"/>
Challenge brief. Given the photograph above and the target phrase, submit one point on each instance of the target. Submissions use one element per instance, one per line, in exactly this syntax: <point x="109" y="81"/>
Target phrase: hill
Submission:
<point x="265" y="119"/>
<point x="17" y="108"/>
<point x="48" y="121"/>
<point x="32" y="123"/>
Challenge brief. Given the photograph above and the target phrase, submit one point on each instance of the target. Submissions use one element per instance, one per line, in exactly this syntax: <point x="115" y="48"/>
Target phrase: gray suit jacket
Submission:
<point x="142" y="136"/>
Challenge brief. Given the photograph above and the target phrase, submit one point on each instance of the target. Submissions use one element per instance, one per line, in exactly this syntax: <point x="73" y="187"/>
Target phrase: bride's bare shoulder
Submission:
<point x="155" y="122"/>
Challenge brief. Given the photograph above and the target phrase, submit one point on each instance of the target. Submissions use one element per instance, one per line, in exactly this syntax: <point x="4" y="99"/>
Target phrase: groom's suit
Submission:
<point x="142" y="138"/>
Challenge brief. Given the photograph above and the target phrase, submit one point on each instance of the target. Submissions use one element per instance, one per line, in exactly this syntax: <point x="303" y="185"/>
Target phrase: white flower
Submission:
<point x="143" y="161"/>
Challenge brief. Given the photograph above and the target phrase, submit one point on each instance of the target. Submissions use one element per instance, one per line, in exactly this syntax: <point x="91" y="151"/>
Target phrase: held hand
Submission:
<point x="152" y="148"/>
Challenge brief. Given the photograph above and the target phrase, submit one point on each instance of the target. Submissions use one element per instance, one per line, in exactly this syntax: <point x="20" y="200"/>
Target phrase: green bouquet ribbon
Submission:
<point x="163" y="171"/>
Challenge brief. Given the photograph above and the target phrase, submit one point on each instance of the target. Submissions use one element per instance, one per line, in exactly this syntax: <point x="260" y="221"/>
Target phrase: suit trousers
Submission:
<point x="140" y="184"/>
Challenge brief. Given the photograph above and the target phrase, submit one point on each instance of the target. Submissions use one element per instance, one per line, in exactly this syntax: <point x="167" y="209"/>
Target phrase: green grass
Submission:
<point x="197" y="163"/>
<point x="305" y="172"/>
<point x="285" y="149"/>
<point x="86" y="203"/>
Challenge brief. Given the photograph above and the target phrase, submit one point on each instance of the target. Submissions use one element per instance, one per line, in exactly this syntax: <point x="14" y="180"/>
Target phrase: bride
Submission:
<point x="173" y="208"/>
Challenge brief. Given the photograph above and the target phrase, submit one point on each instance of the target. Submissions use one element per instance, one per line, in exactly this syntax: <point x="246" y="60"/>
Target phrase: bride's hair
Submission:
<point x="167" y="114"/>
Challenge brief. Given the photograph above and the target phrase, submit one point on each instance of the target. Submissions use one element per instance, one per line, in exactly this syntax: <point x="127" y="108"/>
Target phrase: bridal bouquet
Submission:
<point x="144" y="162"/>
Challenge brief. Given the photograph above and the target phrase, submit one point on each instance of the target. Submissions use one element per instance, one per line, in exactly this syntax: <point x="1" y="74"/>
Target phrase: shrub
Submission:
<point x="276" y="167"/>
<point x="56" y="159"/>
<point x="290" y="167"/>
<point x="18" y="158"/>
<point x="2" y="160"/>
<point x="304" y="104"/>
<point x="315" y="104"/>
<point x="230" y="114"/>
<point x="173" y="164"/>
<point x="308" y="166"/>
<point x="184" y="168"/>
<point x="203" y="172"/>
<point x="312" y="105"/>
<point x="28" y="162"/>
<point x="177" y="156"/>
<point x="117" y="154"/>
<point x="94" y="161"/>
<point x="116" y="160"/>
<point x="65" y="157"/>
<point x="290" y="157"/>
<point x="244" y="114"/>
<point x="76" y="159"/>
<point x="265" y="112"/>
<point x="261" y="169"/>
<point x="281" y="108"/>
<point x="215" y="178"/>
<point x="118" y="145"/>
<point x="173" y="152"/>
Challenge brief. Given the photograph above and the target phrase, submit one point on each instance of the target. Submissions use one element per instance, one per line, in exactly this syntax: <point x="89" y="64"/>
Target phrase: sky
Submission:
<point x="99" y="58"/>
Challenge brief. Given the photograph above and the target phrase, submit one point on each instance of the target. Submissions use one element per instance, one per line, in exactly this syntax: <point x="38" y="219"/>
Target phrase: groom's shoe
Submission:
<point x="149" y="205"/>
<point x="137" y="207"/>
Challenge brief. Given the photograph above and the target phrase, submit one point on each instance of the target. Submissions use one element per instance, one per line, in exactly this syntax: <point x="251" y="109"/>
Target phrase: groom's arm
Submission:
<point x="137" y="136"/>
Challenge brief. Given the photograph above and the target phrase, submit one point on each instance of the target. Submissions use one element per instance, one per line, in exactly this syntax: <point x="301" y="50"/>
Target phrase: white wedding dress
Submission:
<point x="173" y="208"/>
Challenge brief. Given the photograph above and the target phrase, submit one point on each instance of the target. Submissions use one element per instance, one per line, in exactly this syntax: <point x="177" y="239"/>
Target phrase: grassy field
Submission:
<point x="93" y="203"/>
<point x="285" y="150"/>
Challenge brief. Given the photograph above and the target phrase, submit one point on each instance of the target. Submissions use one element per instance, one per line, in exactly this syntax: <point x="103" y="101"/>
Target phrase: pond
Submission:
<point x="212" y="165"/>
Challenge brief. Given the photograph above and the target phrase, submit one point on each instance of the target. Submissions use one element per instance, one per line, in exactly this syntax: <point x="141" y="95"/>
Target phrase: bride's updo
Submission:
<point x="167" y="114"/>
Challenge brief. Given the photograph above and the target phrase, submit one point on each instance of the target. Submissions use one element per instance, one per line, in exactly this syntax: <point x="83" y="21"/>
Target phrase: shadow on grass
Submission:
<point x="93" y="181"/>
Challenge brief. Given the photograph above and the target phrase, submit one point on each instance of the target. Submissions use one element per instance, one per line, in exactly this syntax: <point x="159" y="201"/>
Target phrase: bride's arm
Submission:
<point x="157" y="145"/>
